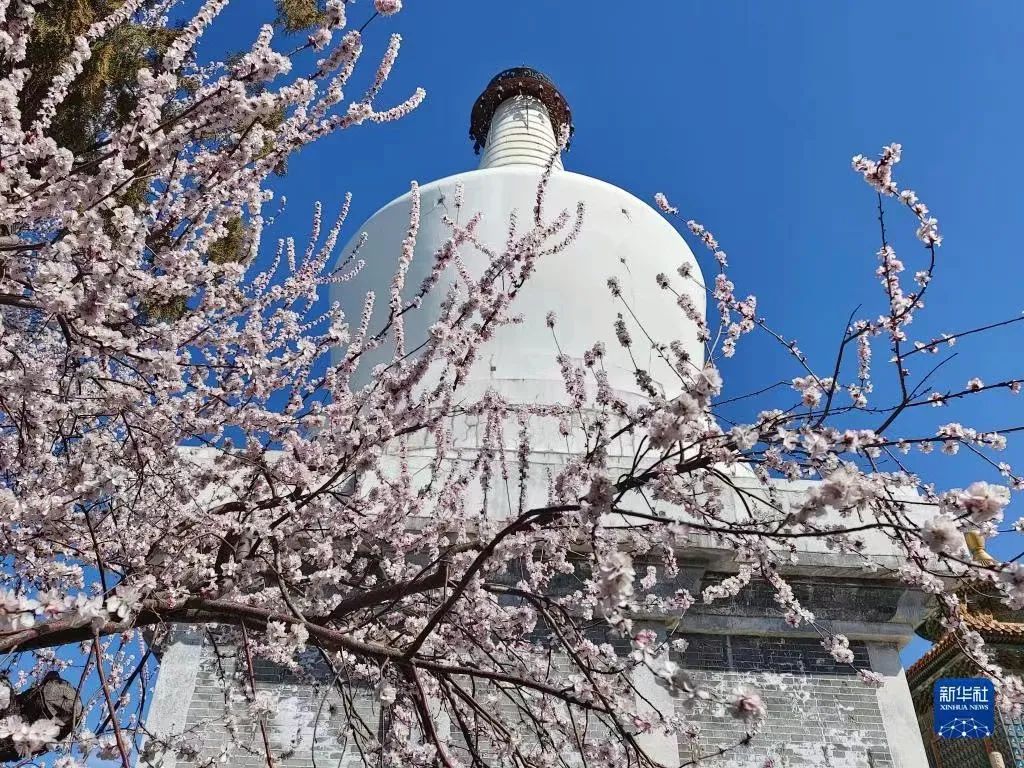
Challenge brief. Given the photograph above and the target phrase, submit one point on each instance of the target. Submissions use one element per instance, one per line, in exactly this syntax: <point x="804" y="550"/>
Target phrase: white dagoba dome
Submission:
<point x="515" y="122"/>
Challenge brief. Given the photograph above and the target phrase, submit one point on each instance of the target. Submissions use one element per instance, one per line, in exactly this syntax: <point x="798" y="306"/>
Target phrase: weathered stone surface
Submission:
<point x="834" y="600"/>
<point x="812" y="702"/>
<point x="819" y="713"/>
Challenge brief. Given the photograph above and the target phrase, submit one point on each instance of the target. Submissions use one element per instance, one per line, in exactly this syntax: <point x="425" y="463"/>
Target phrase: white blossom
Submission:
<point x="387" y="7"/>
<point x="614" y="584"/>
<point x="941" y="534"/>
<point x="29" y="737"/>
<point x="663" y="204"/>
<point x="190" y="436"/>
<point x="744" y="437"/>
<point x="982" y="501"/>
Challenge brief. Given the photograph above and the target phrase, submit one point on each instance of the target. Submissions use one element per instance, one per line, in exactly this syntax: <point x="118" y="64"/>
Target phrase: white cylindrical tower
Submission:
<point x="520" y="134"/>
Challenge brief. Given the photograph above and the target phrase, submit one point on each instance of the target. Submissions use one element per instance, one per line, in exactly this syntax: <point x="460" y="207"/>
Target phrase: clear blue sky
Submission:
<point x="747" y="115"/>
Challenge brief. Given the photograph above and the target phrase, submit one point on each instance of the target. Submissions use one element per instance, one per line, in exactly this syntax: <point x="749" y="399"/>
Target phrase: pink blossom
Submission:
<point x="29" y="737"/>
<point x="650" y="578"/>
<point x="744" y="437"/>
<point x="663" y="204"/>
<point x="614" y="584"/>
<point x="645" y="638"/>
<point x="983" y="501"/>
<point x="601" y="494"/>
<point x="838" y="647"/>
<point x="940" y="534"/>
<point x="748" y="706"/>
<point x="269" y="438"/>
<point x="387" y="7"/>
<point x="334" y="14"/>
<point x="872" y="679"/>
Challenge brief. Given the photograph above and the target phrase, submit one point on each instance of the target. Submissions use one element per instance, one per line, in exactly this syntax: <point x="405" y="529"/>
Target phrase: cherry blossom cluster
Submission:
<point x="847" y="464"/>
<point x="207" y="442"/>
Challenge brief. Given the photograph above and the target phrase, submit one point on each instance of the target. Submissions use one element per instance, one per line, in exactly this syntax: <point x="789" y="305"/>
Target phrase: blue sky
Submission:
<point x="746" y="115"/>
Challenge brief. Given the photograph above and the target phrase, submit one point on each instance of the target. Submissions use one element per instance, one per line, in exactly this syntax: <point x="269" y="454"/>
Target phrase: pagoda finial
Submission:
<point x="532" y="87"/>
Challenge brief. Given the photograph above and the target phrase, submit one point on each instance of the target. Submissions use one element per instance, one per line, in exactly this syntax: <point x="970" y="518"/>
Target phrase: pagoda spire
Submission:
<point x="518" y="118"/>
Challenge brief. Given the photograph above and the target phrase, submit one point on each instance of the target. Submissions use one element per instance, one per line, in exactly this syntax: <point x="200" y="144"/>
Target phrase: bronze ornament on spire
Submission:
<point x="518" y="81"/>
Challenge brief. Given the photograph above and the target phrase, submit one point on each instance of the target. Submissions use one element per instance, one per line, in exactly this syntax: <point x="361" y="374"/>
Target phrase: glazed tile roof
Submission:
<point x="988" y="627"/>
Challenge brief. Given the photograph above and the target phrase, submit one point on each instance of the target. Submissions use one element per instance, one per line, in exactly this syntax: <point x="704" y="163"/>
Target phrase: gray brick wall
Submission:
<point x="833" y="600"/>
<point x="303" y="701"/>
<point x="812" y="702"/>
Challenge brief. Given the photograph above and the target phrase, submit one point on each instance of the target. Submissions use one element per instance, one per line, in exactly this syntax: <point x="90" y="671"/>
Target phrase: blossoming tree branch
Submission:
<point x="203" y="442"/>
